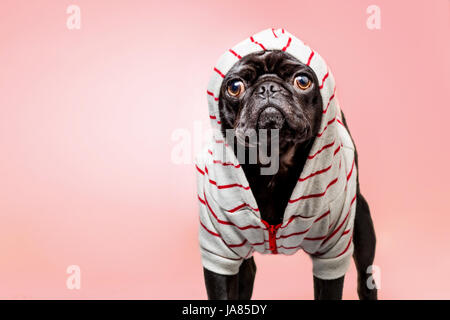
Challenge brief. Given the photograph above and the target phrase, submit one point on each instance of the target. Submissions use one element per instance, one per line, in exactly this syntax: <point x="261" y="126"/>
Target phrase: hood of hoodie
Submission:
<point x="324" y="158"/>
<point x="270" y="39"/>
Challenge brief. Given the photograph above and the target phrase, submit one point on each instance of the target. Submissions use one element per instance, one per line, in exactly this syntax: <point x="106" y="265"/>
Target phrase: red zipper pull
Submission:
<point x="272" y="230"/>
<point x="272" y="239"/>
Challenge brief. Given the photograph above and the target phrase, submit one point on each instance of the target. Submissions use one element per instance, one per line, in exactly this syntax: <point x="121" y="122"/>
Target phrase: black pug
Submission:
<point x="266" y="90"/>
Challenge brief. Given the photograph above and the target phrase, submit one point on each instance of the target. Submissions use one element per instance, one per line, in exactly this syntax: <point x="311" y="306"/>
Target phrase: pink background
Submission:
<point x="86" y="119"/>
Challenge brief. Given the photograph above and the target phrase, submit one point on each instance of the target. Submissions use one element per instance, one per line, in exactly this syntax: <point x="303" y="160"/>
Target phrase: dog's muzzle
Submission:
<point x="271" y="118"/>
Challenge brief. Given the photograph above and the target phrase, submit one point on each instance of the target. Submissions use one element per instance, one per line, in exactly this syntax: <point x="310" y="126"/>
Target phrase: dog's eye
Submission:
<point x="235" y="88"/>
<point x="302" y="82"/>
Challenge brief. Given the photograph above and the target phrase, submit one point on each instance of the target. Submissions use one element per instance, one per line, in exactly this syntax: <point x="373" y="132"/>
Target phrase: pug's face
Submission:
<point x="271" y="90"/>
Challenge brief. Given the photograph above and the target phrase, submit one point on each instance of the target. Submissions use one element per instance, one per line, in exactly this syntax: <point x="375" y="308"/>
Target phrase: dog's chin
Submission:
<point x="296" y="136"/>
<point x="282" y="138"/>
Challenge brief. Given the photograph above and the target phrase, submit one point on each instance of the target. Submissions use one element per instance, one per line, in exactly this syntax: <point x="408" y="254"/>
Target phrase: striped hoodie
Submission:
<point x="320" y="212"/>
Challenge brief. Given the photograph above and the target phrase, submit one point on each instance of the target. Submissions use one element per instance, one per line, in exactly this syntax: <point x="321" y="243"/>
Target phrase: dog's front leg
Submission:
<point x="328" y="289"/>
<point x="235" y="287"/>
<point x="221" y="287"/>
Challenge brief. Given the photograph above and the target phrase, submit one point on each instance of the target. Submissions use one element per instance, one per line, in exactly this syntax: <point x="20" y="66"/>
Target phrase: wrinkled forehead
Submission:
<point x="274" y="62"/>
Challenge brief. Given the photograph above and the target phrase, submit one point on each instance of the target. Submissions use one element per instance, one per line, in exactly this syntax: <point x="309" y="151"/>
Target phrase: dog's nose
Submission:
<point x="268" y="89"/>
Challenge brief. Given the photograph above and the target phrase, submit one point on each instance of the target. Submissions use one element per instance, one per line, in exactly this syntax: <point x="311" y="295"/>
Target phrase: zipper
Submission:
<point x="272" y="229"/>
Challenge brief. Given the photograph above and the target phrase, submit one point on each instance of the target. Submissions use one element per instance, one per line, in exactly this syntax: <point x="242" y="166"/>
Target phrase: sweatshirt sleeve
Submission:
<point x="216" y="255"/>
<point x="335" y="262"/>
<point x="334" y="259"/>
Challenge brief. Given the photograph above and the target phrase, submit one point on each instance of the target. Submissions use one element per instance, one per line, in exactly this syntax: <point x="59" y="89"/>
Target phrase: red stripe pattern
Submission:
<point x="274" y="34"/>
<point x="224" y="186"/>
<point x="212" y="95"/>
<point x="287" y="44"/>
<point x="257" y="43"/>
<point x="315" y="195"/>
<point x="328" y="123"/>
<point x="235" y="54"/>
<point x="310" y="58"/>
<point x="329" y="100"/>
<point x="315" y="173"/>
<point x="323" y="80"/>
<point x="312" y="156"/>
<point x="219" y="72"/>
